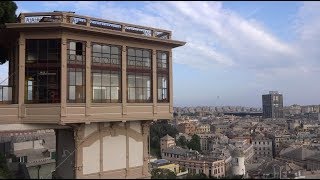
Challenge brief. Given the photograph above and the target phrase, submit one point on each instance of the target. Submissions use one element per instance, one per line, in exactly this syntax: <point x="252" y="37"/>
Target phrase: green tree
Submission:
<point x="182" y="142"/>
<point x="4" y="171"/>
<point x="162" y="174"/>
<point x="157" y="131"/>
<point x="194" y="143"/>
<point x="196" y="176"/>
<point x="7" y="15"/>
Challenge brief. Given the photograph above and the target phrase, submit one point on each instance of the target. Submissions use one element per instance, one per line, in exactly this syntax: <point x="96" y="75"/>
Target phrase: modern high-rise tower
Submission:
<point x="272" y="105"/>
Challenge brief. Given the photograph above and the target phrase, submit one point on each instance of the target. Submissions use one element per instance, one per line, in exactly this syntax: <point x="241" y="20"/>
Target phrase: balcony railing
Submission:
<point x="5" y="94"/>
<point x="71" y="18"/>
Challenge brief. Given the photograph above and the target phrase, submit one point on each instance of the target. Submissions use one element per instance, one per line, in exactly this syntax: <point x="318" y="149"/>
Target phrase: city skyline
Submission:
<point x="235" y="51"/>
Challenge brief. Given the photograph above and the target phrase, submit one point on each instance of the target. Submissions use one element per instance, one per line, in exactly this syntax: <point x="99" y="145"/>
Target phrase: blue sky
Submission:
<point x="235" y="50"/>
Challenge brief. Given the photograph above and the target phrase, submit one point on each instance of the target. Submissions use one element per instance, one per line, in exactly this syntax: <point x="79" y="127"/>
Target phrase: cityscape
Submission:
<point x="159" y="90"/>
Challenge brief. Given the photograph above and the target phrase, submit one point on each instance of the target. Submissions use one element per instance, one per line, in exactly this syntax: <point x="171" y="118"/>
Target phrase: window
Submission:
<point x="42" y="71"/>
<point x="23" y="159"/>
<point x="139" y="75"/>
<point x="163" y="76"/>
<point x="76" y="72"/>
<point x="106" y="73"/>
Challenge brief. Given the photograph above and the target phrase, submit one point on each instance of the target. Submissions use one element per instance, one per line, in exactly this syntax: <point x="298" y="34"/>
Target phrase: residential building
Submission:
<point x="98" y="83"/>
<point x="187" y="128"/>
<point x="262" y="147"/>
<point x="244" y="146"/>
<point x="194" y="162"/>
<point x="202" y="129"/>
<point x="166" y="142"/>
<point x="272" y="105"/>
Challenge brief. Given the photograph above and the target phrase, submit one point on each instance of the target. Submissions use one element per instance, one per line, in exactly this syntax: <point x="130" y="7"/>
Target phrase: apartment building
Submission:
<point x="187" y="128"/>
<point x="195" y="163"/>
<point x="202" y="129"/>
<point x="262" y="147"/>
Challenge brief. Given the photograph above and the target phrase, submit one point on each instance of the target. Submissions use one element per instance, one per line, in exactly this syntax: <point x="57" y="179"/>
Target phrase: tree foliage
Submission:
<point x="194" y="143"/>
<point x="7" y="12"/>
<point x="182" y="142"/>
<point x="162" y="174"/>
<point x="157" y="131"/>
<point x="7" y="15"/>
<point x="4" y="171"/>
<point x="196" y="176"/>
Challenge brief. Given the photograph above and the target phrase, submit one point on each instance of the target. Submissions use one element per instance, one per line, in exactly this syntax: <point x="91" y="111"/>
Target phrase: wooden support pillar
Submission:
<point x="145" y="134"/>
<point x="124" y="79"/>
<point x="88" y="77"/>
<point x="64" y="76"/>
<point x="22" y="52"/>
<point x="170" y="82"/>
<point x="154" y="81"/>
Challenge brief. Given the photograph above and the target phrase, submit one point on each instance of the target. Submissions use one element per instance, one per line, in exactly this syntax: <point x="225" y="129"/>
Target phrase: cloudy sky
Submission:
<point x="235" y="51"/>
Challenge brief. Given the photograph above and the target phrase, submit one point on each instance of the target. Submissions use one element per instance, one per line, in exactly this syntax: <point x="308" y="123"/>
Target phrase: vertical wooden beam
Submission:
<point x="88" y="78"/>
<point x="154" y="81"/>
<point x="64" y="76"/>
<point x="145" y="134"/>
<point x="22" y="55"/>
<point x="170" y="82"/>
<point x="16" y="70"/>
<point x="127" y="148"/>
<point x="100" y="127"/>
<point x="124" y="79"/>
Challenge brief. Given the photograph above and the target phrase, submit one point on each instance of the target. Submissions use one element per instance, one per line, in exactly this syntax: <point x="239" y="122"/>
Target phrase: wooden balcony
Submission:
<point x="79" y="113"/>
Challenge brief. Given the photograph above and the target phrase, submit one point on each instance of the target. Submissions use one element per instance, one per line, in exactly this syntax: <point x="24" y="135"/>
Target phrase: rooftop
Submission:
<point x="61" y="19"/>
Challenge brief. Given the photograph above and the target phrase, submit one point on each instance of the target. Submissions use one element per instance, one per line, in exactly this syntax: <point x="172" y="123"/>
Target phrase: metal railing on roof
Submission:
<point x="71" y="18"/>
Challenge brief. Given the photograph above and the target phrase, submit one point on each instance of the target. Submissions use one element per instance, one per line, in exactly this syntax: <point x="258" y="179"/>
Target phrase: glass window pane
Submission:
<point x="105" y="93"/>
<point x="163" y="56"/>
<point x="72" y="78"/>
<point x="79" y="57"/>
<point x="78" y="78"/>
<point x="106" y="49"/>
<point x="96" y="79"/>
<point x="105" y="60"/>
<point x="96" y="48"/>
<point x="72" y="45"/>
<point x="139" y="81"/>
<point x="160" y="94"/>
<point x="148" y="94"/>
<point x="1" y="94"/>
<point x="114" y="80"/>
<point x="164" y="92"/>
<point x="146" y="53"/>
<point x="96" y="60"/>
<point x="96" y="93"/>
<point x="131" y="81"/>
<point x="164" y="82"/>
<point x="114" y="93"/>
<point x="115" y="59"/>
<point x="105" y="79"/>
<point x="139" y="93"/>
<point x="131" y="93"/>
<point x="139" y="53"/>
<point x="114" y="50"/>
<point x="72" y="92"/>
<point x="131" y="52"/>
<point x="160" y="82"/>
<point x="95" y="54"/>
